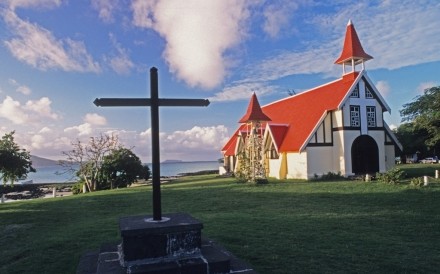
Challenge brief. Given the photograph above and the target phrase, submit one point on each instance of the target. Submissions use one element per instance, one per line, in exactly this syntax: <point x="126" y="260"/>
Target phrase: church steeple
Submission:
<point x="254" y="112"/>
<point x="352" y="52"/>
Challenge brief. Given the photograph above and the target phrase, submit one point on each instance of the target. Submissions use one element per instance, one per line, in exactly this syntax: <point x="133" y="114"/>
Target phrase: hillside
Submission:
<point x="42" y="162"/>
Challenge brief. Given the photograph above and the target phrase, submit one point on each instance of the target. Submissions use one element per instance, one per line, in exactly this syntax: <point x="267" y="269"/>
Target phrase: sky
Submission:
<point x="57" y="56"/>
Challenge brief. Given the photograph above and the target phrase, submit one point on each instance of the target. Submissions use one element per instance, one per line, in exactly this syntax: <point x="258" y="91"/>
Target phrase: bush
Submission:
<point x="329" y="176"/>
<point x="77" y="188"/>
<point x="392" y="176"/>
<point x="417" y="182"/>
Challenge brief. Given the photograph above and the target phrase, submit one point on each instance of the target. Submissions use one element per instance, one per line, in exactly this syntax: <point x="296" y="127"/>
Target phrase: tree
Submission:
<point x="86" y="159"/>
<point x="412" y="139"/>
<point x="15" y="163"/>
<point x="121" y="168"/>
<point x="424" y="113"/>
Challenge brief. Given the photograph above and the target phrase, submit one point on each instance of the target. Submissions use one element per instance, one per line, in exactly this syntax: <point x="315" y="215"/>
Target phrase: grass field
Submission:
<point x="282" y="227"/>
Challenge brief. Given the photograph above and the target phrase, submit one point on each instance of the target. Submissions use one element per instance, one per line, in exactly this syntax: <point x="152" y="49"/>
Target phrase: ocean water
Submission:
<point x="56" y="174"/>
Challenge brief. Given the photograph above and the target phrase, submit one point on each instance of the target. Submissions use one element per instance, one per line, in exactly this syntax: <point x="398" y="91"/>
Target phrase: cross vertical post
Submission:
<point x="154" y="102"/>
<point x="155" y="150"/>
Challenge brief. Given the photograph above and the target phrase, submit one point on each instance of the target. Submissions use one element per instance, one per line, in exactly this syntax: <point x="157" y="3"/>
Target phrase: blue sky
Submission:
<point x="57" y="56"/>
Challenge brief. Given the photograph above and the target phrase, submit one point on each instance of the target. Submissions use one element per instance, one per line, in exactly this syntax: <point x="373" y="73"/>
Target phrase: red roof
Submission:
<point x="278" y="132"/>
<point x="352" y="47"/>
<point x="300" y="114"/>
<point x="229" y="148"/>
<point x="254" y="112"/>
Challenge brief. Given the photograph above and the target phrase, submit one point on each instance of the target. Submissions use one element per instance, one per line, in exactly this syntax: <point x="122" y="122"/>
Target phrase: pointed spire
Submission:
<point x="254" y="112"/>
<point x="352" y="52"/>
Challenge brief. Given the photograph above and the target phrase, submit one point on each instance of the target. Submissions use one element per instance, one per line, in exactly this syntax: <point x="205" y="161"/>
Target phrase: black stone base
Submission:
<point x="145" y="240"/>
<point x="213" y="259"/>
<point x="173" y="246"/>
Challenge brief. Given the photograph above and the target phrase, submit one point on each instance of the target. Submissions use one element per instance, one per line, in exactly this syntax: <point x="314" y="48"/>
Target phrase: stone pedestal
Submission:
<point x="173" y="245"/>
<point x="146" y="241"/>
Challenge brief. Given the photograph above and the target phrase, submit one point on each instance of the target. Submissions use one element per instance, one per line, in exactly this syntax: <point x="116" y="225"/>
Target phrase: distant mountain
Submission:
<point x="171" y="161"/>
<point x="42" y="162"/>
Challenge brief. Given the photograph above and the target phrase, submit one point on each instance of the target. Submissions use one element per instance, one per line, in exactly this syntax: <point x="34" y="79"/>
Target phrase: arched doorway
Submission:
<point x="364" y="155"/>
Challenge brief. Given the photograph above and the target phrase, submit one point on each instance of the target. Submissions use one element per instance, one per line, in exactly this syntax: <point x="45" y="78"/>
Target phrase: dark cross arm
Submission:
<point x="146" y="102"/>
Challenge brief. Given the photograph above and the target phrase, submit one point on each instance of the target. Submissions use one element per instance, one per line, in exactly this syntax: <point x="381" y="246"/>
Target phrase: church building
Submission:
<point x="337" y="127"/>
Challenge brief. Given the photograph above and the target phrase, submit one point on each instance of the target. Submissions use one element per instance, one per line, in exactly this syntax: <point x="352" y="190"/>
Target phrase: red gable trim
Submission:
<point x="352" y="48"/>
<point x="277" y="132"/>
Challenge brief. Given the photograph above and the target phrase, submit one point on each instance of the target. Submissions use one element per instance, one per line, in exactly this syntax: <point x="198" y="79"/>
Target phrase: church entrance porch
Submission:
<point x="364" y="155"/>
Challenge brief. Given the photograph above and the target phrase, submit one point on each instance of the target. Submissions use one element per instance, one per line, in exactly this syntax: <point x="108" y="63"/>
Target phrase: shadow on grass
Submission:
<point x="278" y="228"/>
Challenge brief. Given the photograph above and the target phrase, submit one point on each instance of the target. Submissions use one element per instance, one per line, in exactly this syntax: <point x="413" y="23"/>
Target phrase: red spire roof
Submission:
<point x="352" y="48"/>
<point x="254" y="112"/>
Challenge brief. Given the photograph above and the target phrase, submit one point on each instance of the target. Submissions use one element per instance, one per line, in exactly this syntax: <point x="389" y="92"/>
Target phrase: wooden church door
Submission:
<point x="364" y="155"/>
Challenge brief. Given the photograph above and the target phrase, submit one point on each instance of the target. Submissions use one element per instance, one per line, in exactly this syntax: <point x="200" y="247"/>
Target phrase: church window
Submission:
<point x="273" y="153"/>
<point x="368" y="93"/>
<point x="371" y="116"/>
<point x="355" y="92"/>
<point x="355" y="120"/>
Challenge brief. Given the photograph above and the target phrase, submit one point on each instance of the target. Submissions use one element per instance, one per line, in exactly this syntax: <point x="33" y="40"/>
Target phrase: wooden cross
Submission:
<point x="153" y="102"/>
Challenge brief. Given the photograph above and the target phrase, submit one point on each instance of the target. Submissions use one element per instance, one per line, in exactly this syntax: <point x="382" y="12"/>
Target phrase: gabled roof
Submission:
<point x="254" y="112"/>
<point x="277" y="132"/>
<point x="229" y="148"/>
<point x="302" y="112"/>
<point x="363" y="74"/>
<point x="352" y="48"/>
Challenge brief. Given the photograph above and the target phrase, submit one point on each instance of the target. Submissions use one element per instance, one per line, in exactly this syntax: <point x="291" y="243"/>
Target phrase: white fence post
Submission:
<point x="436" y="173"/>
<point x="54" y="192"/>
<point x="3" y="198"/>
<point x="425" y="180"/>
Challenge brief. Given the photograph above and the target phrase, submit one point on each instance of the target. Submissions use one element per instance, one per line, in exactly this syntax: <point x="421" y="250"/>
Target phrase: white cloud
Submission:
<point x="24" y="90"/>
<point x="42" y="108"/>
<point x="45" y="130"/>
<point x="197" y="32"/>
<point x="12" y="4"/>
<point x="31" y="112"/>
<point x="81" y="130"/>
<point x="197" y="143"/>
<point x="201" y="138"/>
<point x="106" y="9"/>
<point x="37" y="141"/>
<point x="20" y="88"/>
<point x="277" y="15"/>
<point x="242" y="91"/>
<point x="119" y="62"/>
<point x="38" y="47"/>
<point x="13" y="111"/>
<point x="384" y="88"/>
<point x="95" y="119"/>
<point x="425" y="85"/>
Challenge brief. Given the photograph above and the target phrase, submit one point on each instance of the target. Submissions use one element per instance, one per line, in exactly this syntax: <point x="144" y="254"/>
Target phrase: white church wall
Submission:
<point x="349" y="137"/>
<point x="297" y="165"/>
<point x="379" y="115"/>
<point x="379" y="137"/>
<point x="328" y="128"/>
<point x="390" y="157"/>
<point x="338" y="118"/>
<point x="274" y="167"/>
<point x="346" y="114"/>
<point x="339" y="160"/>
<point x="319" y="161"/>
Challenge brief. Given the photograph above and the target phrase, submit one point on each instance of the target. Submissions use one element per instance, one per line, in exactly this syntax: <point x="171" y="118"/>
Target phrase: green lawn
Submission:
<point x="282" y="227"/>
